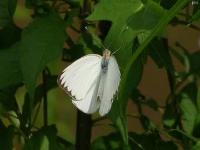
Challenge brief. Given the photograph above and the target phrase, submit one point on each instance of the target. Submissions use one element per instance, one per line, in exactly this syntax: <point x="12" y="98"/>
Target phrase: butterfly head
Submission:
<point x="106" y="54"/>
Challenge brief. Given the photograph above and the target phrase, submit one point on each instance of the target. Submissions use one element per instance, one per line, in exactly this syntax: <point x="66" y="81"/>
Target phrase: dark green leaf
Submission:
<point x="170" y="116"/>
<point x="194" y="62"/>
<point x="167" y="3"/>
<point x="196" y="130"/>
<point x="10" y="72"/>
<point x="14" y="35"/>
<point x="42" y="41"/>
<point x="51" y="82"/>
<point x="160" y="54"/>
<point x="7" y="9"/>
<point x="6" y="138"/>
<point x="150" y="141"/>
<point x="44" y="139"/>
<point x="196" y="16"/>
<point x="197" y="146"/>
<point x="111" y="141"/>
<point x="7" y="99"/>
<point x="152" y="104"/>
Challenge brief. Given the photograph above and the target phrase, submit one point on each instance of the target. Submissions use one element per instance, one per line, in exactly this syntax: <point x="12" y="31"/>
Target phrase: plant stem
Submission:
<point x="83" y="131"/>
<point x="84" y="121"/>
<point x="45" y="103"/>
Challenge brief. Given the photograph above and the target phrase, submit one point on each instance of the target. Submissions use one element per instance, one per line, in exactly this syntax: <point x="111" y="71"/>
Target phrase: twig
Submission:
<point x="45" y="103"/>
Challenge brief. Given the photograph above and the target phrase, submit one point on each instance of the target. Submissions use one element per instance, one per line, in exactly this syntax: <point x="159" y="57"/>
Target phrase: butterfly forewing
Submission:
<point x="78" y="78"/>
<point x="90" y="103"/>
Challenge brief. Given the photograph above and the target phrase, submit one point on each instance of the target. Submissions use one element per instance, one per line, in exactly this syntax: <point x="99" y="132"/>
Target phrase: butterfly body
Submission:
<point x="92" y="81"/>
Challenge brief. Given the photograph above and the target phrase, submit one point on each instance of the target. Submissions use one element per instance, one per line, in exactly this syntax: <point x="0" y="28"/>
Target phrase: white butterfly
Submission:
<point x="92" y="82"/>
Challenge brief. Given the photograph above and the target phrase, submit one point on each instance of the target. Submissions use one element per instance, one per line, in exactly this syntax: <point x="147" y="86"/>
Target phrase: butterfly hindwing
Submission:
<point x="110" y="86"/>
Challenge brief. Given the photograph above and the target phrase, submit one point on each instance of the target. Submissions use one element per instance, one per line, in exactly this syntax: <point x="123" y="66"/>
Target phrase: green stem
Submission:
<point x="45" y="103"/>
<point x="158" y="28"/>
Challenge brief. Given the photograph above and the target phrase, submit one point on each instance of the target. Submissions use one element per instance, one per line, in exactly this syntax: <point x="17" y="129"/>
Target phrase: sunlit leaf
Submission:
<point x="189" y="113"/>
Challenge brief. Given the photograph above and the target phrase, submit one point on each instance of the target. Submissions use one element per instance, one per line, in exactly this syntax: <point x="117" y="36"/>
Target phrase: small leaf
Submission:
<point x="170" y="116"/>
<point x="189" y="113"/>
<point x="42" y="41"/>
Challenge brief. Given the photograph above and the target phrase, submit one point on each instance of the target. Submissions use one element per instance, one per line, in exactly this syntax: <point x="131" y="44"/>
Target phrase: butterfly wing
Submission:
<point x="110" y="86"/>
<point x="78" y="78"/>
<point x="90" y="103"/>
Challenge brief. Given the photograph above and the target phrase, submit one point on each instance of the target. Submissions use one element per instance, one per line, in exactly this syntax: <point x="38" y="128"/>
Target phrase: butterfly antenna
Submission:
<point x="115" y="51"/>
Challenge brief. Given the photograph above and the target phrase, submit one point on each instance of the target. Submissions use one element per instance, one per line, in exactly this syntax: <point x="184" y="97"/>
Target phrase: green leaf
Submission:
<point x="189" y="113"/>
<point x="7" y="9"/>
<point x="14" y="35"/>
<point x="42" y="42"/>
<point x="167" y="3"/>
<point x="194" y="62"/>
<point x="111" y="141"/>
<point x="196" y="146"/>
<point x="150" y="141"/>
<point x="150" y="14"/>
<point x="160" y="54"/>
<point x="7" y="99"/>
<point x="170" y="116"/>
<point x="6" y="138"/>
<point x="10" y="72"/>
<point x="155" y="31"/>
<point x="196" y="16"/>
<point x="196" y="130"/>
<point x="44" y="139"/>
<point x="51" y="82"/>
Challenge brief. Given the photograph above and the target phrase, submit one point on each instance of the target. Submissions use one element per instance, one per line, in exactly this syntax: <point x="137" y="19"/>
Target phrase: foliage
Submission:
<point x="131" y="28"/>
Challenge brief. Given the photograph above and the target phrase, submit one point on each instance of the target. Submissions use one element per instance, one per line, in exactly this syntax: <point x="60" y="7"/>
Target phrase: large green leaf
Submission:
<point x="42" y="41"/>
<point x="9" y="69"/>
<point x="7" y="9"/>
